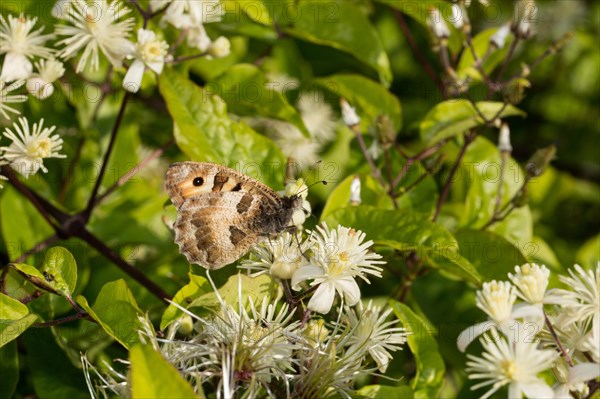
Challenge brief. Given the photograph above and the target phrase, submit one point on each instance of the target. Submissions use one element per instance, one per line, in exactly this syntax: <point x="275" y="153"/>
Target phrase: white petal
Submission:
<point x="526" y="310"/>
<point x="470" y="333"/>
<point x="584" y="372"/>
<point x="133" y="77"/>
<point x="322" y="299"/>
<point x="156" y="66"/>
<point x="15" y="67"/>
<point x="538" y="390"/>
<point x="349" y="289"/>
<point x="514" y="391"/>
<point x="305" y="273"/>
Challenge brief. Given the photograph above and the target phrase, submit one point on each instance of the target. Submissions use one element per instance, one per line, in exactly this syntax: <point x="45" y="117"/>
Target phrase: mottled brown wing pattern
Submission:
<point x="221" y="213"/>
<point x="211" y="231"/>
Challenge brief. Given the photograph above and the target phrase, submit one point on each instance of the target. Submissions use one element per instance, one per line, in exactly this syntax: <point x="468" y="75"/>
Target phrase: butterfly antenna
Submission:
<point x="324" y="182"/>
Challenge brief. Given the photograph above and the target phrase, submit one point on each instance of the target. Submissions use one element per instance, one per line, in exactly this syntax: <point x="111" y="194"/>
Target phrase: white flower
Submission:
<point x="516" y="364"/>
<point x="150" y="52"/>
<point x="504" y="144"/>
<point x="29" y="148"/>
<point x="437" y="24"/>
<point x="371" y="333"/>
<point x="583" y="300"/>
<point x="574" y="379"/>
<point x="339" y="257"/>
<point x="220" y="48"/>
<point x="96" y="26"/>
<point x="301" y="149"/>
<point x="317" y="116"/>
<point x="349" y="114"/>
<point x="40" y="83"/>
<point x="280" y="256"/>
<point x="185" y="14"/>
<point x="19" y="42"/>
<point x="496" y="299"/>
<point x="5" y="98"/>
<point x="531" y="281"/>
<point x="198" y="38"/>
<point x="499" y="37"/>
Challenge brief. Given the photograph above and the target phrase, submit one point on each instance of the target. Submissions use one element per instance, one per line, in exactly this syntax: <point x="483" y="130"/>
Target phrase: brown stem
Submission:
<point x="468" y="139"/>
<point x="511" y="52"/>
<point x="425" y="153"/>
<point x="30" y="195"/>
<point x="561" y="348"/>
<point x="113" y="138"/>
<point x="39" y="247"/>
<point x="111" y="255"/>
<point x="374" y="170"/>
<point x="503" y="159"/>
<point x="125" y="178"/>
<point x="64" y="186"/>
<point x="417" y="51"/>
<point x="63" y="320"/>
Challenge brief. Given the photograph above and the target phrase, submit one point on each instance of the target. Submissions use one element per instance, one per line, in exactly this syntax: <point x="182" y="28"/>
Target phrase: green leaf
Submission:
<point x="116" y="311"/>
<point x="490" y="253"/>
<point x="11" y="309"/>
<point x="370" y="98"/>
<point x="52" y="373"/>
<point x="482" y="172"/>
<point x="453" y="117"/>
<point x="17" y="287"/>
<point x="9" y="370"/>
<point x="35" y="277"/>
<point x="430" y="365"/>
<point x="204" y="131"/>
<point x="24" y="231"/>
<point x="342" y="25"/>
<point x="14" y="319"/>
<point x="256" y="10"/>
<point x="153" y="377"/>
<point x="386" y="392"/>
<point x="197" y="286"/>
<point x="60" y="268"/>
<point x="244" y="89"/>
<point x="481" y="43"/>
<point x="406" y="230"/>
<point x="252" y="287"/>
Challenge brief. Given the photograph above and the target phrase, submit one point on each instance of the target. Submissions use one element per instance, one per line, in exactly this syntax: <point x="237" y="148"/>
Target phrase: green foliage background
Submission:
<point x="362" y="54"/>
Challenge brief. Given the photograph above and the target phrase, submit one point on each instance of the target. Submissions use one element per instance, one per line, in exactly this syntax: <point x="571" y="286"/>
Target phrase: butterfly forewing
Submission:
<point x="221" y="213"/>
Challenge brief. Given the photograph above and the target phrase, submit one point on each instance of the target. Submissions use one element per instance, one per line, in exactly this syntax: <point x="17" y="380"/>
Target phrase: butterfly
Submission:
<point x="221" y="213"/>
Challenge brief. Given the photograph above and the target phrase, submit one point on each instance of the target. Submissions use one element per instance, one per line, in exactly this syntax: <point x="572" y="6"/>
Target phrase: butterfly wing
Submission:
<point x="212" y="230"/>
<point x="221" y="213"/>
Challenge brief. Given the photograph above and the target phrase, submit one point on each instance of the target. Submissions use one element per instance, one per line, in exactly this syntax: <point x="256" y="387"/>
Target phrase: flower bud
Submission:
<point x="504" y="139"/>
<point x="458" y="16"/>
<point x="498" y="39"/>
<point x="349" y="114"/>
<point x="437" y="24"/>
<point x="539" y="161"/>
<point x="355" y="191"/>
<point x="220" y="48"/>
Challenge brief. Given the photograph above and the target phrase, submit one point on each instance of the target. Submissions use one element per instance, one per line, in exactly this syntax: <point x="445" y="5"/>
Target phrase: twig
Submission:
<point x="417" y="51"/>
<point x="113" y="136"/>
<point x="111" y="255"/>
<point x="503" y="159"/>
<point x="561" y="348"/>
<point x="123" y="179"/>
<point x="511" y="52"/>
<point x="64" y="320"/>
<point x="425" y="153"/>
<point x="187" y="58"/>
<point x="31" y="196"/>
<point x="468" y="139"/>
<point x="64" y="186"/>
<point x="374" y="170"/>
<point x="39" y="247"/>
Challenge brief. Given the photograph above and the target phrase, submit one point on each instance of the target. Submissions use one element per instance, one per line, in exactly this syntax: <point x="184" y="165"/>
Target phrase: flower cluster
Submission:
<point x="91" y="30"/>
<point x="524" y="339"/>
<point x="258" y="350"/>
